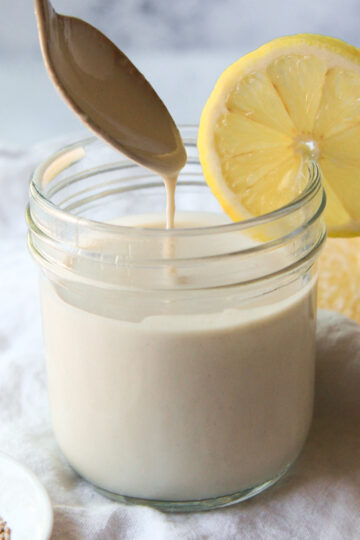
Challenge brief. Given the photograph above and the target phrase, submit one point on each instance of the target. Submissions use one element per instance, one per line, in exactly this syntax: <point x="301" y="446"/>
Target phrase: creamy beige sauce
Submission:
<point x="170" y="187"/>
<point x="174" y="406"/>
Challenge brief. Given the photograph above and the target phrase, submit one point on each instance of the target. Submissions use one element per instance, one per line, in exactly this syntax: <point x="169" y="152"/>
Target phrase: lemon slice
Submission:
<point x="295" y="98"/>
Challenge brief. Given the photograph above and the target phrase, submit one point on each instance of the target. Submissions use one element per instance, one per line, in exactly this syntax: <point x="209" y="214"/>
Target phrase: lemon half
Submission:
<point x="295" y="98"/>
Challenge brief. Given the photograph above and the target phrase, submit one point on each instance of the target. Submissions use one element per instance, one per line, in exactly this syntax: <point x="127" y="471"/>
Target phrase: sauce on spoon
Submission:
<point x="111" y="96"/>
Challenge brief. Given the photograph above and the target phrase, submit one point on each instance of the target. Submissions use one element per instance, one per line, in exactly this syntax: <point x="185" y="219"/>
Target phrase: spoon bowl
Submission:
<point x="108" y="92"/>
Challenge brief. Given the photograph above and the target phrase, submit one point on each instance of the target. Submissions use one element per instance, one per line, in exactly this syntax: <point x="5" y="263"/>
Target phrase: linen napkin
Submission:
<point x="317" y="500"/>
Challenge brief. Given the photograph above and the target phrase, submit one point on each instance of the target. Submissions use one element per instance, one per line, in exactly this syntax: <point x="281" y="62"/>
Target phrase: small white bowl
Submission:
<point x="24" y="502"/>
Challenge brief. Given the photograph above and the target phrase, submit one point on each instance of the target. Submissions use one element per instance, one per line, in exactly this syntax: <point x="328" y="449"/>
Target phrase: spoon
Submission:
<point x="109" y="94"/>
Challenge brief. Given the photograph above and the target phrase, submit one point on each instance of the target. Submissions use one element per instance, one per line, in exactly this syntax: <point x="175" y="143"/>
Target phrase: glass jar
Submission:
<point x="180" y="362"/>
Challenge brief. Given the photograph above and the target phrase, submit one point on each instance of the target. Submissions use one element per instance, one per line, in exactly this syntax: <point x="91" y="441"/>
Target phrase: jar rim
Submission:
<point x="58" y="237"/>
<point x="40" y="198"/>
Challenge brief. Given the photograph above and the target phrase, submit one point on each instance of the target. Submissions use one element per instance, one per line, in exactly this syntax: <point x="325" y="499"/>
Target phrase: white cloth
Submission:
<point x="317" y="500"/>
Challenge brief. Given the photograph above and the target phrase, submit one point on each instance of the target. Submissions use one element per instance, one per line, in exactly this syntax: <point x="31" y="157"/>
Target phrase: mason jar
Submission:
<point x="180" y="362"/>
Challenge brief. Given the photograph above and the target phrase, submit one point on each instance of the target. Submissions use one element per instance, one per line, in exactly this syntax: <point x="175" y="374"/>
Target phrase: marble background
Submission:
<point x="188" y="24"/>
<point x="181" y="46"/>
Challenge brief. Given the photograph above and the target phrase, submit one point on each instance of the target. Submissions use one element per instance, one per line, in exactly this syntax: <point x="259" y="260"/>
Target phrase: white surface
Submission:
<point x="24" y="501"/>
<point x="317" y="500"/>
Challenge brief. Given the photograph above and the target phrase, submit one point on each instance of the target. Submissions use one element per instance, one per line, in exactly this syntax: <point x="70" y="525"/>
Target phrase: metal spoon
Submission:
<point x="109" y="94"/>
